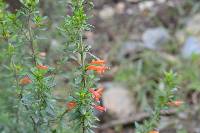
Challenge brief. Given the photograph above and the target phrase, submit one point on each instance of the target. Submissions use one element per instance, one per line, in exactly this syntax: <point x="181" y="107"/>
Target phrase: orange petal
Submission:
<point x="92" y="67"/>
<point x="71" y="105"/>
<point x="97" y="62"/>
<point x="176" y="103"/>
<point x="96" y="95"/>
<point x="42" y="67"/>
<point x="100" y="108"/>
<point x="100" y="90"/>
<point x="24" y="81"/>
<point x="98" y="69"/>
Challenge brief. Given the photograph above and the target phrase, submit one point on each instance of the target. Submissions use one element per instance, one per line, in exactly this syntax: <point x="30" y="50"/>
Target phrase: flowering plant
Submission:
<point x="165" y="99"/>
<point x="29" y="80"/>
<point x="32" y="80"/>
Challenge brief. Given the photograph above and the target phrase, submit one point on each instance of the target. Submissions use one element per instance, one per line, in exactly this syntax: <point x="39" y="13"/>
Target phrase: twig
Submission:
<point x="133" y="118"/>
<point x="168" y="57"/>
<point x="139" y="1"/>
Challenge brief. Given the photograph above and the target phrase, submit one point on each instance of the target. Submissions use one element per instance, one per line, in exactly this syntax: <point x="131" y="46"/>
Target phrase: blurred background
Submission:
<point x="139" y="39"/>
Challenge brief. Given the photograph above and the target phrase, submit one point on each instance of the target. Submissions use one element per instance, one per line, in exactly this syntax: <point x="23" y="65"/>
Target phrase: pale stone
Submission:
<point x="107" y="12"/>
<point x="154" y="38"/>
<point x="120" y="7"/>
<point x="118" y="101"/>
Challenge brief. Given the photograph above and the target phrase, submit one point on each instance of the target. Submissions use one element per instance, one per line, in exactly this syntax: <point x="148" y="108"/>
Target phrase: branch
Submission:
<point x="133" y="118"/>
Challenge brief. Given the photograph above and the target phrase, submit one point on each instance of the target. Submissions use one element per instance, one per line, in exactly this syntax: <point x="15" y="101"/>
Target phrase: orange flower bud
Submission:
<point x="24" y="81"/>
<point x="176" y="103"/>
<point x="71" y="105"/>
<point x="42" y="67"/>
<point x="100" y="108"/>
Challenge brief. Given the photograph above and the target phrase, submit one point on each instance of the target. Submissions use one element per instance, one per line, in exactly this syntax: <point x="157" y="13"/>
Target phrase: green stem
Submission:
<point x="83" y="126"/>
<point x="31" y="39"/>
<point x="83" y="72"/>
<point x="35" y="128"/>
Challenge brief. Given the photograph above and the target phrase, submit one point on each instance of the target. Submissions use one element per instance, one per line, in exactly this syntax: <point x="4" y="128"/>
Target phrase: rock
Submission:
<point x="154" y="38"/>
<point x="192" y="26"/>
<point x="120" y="7"/>
<point x="183" y="115"/>
<point x="180" y="36"/>
<point x="106" y="13"/>
<point x="197" y="130"/>
<point x="54" y="44"/>
<point x="118" y="101"/>
<point x="129" y="48"/>
<point x="191" y="46"/>
<point x="134" y="1"/>
<point x="161" y="1"/>
<point x="146" y="5"/>
<point x="171" y="19"/>
<point x="130" y="11"/>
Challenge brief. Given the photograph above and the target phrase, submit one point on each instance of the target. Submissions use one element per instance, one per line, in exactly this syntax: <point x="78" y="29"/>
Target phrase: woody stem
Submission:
<point x="82" y="53"/>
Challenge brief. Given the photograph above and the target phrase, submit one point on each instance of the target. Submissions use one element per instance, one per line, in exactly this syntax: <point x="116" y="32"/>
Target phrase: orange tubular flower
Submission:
<point x="71" y="105"/>
<point x="176" y="103"/>
<point x="98" y="66"/>
<point x="98" y="69"/>
<point x="97" y="62"/>
<point x="42" y="67"/>
<point x="96" y="94"/>
<point x="153" y="131"/>
<point x="100" y="108"/>
<point x="24" y="81"/>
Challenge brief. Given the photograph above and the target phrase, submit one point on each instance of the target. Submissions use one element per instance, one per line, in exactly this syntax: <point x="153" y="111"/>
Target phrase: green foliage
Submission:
<point x="163" y="97"/>
<point x="30" y="4"/>
<point x="28" y="82"/>
<point x="190" y="74"/>
<point x="33" y="101"/>
<point x="143" y="76"/>
<point x="33" y="108"/>
<point x="73" y="28"/>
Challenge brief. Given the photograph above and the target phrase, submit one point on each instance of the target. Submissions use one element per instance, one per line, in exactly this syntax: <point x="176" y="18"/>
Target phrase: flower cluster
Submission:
<point x="99" y="67"/>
